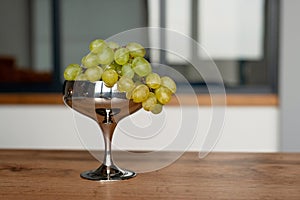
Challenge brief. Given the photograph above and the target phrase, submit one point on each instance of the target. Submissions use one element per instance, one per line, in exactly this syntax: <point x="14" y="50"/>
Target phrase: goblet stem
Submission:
<point x="107" y="126"/>
<point x="107" y="153"/>
<point x="108" y="171"/>
<point x="108" y="129"/>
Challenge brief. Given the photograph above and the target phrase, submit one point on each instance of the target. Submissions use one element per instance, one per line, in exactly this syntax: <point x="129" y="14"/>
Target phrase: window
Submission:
<point x="240" y="36"/>
<point x="43" y="36"/>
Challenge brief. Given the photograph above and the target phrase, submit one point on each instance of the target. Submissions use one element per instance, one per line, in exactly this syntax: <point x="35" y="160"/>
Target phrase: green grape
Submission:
<point x="110" y="77"/>
<point x="125" y="84"/>
<point x="72" y="71"/>
<point x="127" y="71"/>
<point x="113" y="45"/>
<point x="163" y="95"/>
<point x="90" y="60"/>
<point x="168" y="83"/>
<point x="94" y="73"/>
<point x="97" y="45"/>
<point x="81" y="77"/>
<point x="150" y="102"/>
<point x="126" y="67"/>
<point x="105" y="56"/>
<point x="121" y="56"/>
<point x="157" y="108"/>
<point x="141" y="66"/>
<point x="115" y="66"/>
<point x="135" y="49"/>
<point x="153" y="80"/>
<point x="118" y="69"/>
<point x="140" y="93"/>
<point x="110" y="66"/>
<point x="129" y="94"/>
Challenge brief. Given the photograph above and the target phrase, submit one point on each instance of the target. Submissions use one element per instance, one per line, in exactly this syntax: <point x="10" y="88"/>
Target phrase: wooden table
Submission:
<point x="33" y="174"/>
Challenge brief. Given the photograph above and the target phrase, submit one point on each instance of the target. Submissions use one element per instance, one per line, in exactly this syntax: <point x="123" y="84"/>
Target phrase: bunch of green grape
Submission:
<point x="126" y="67"/>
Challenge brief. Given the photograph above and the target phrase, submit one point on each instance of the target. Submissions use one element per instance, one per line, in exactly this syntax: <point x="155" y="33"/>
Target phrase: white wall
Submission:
<point x="289" y="76"/>
<point x="253" y="129"/>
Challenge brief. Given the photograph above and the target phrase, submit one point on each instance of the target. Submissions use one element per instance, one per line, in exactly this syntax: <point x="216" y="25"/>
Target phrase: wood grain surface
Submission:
<point x="33" y="174"/>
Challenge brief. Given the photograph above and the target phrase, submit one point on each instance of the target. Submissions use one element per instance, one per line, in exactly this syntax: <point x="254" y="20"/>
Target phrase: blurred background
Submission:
<point x="253" y="43"/>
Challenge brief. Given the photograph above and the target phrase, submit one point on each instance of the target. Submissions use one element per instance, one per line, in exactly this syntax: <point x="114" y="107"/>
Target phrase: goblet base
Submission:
<point x="106" y="173"/>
